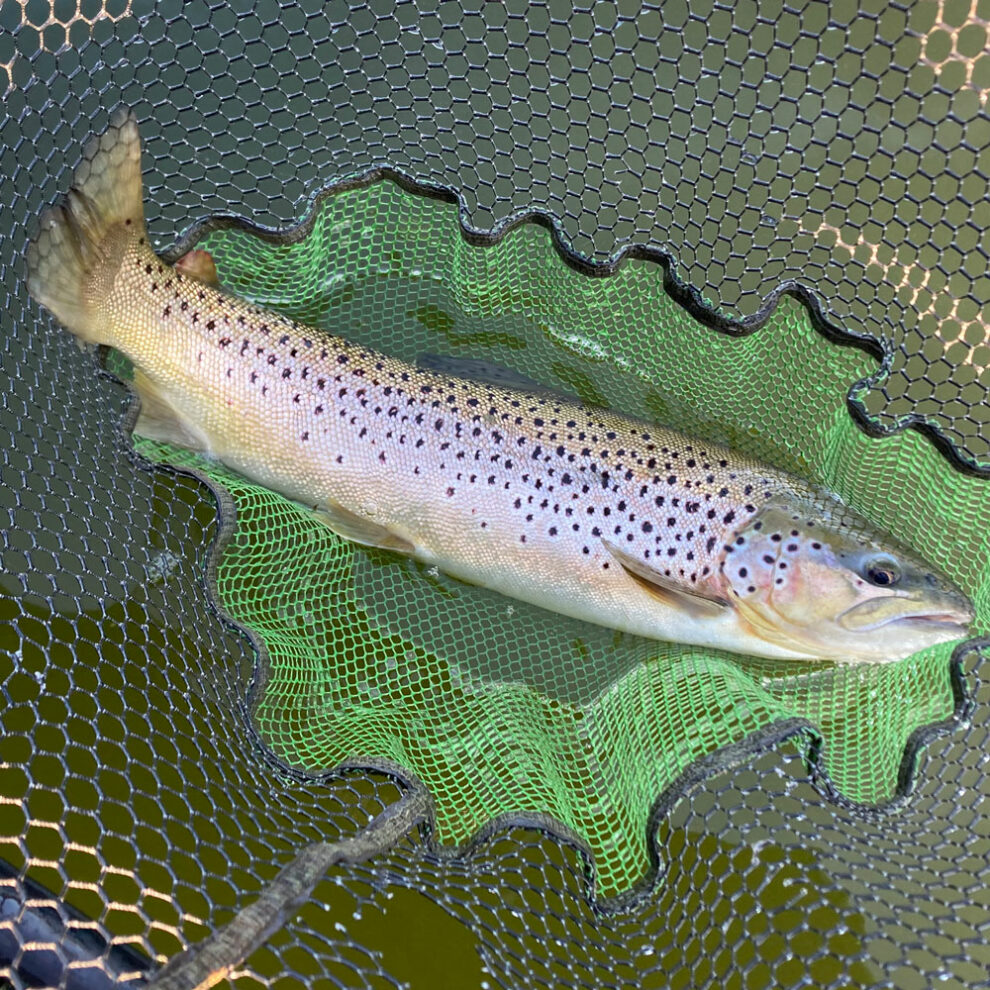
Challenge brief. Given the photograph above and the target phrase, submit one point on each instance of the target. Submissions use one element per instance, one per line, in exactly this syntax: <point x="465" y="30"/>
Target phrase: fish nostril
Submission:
<point x="931" y="580"/>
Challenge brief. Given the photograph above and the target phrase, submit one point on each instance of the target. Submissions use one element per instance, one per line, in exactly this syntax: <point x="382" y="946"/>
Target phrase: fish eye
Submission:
<point x="882" y="572"/>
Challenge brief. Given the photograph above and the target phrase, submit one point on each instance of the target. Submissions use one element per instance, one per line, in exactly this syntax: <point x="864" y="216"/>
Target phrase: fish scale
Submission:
<point x="585" y="512"/>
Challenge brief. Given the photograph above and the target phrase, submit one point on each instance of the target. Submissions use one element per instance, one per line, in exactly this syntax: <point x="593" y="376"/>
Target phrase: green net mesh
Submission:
<point x="186" y="703"/>
<point x="500" y="708"/>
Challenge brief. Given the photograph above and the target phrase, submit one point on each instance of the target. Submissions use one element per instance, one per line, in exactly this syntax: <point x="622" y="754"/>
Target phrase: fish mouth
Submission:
<point x="870" y="615"/>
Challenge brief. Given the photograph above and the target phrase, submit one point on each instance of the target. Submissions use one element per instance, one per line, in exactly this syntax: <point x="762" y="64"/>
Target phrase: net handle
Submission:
<point x="212" y="960"/>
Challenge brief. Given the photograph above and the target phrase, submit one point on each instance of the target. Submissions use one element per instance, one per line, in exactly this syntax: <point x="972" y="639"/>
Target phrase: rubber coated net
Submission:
<point x="199" y="679"/>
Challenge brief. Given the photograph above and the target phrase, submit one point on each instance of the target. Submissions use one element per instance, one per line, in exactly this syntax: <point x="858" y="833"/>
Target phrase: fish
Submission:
<point x="580" y="510"/>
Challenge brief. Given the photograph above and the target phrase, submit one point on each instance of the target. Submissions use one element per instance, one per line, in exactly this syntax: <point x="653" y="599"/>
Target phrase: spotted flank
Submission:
<point x="582" y="511"/>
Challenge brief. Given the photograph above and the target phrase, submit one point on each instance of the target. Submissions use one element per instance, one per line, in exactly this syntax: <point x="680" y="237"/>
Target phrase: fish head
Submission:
<point x="811" y="575"/>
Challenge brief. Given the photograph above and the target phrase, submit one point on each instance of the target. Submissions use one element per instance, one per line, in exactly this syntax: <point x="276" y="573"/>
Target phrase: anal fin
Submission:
<point x="358" y="529"/>
<point x="693" y="602"/>
<point x="160" y="420"/>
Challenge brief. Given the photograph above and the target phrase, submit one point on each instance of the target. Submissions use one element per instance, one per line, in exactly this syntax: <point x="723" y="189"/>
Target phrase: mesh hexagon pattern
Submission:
<point x="754" y="150"/>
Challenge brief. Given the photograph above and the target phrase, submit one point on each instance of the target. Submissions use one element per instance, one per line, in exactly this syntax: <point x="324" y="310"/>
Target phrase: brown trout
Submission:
<point x="584" y="512"/>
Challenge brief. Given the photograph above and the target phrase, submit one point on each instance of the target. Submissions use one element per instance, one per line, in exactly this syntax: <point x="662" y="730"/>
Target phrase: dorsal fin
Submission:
<point x="692" y="601"/>
<point x="489" y="373"/>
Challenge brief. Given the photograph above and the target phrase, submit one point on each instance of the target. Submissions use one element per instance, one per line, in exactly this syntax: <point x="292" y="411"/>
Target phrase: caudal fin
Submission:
<point x="73" y="259"/>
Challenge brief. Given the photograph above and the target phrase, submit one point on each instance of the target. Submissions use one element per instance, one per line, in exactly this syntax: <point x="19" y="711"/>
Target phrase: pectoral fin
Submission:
<point x="670" y="592"/>
<point x="160" y="420"/>
<point x="358" y="529"/>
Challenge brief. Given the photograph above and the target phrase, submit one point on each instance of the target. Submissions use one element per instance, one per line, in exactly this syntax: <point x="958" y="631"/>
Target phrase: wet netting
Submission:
<point x="762" y="225"/>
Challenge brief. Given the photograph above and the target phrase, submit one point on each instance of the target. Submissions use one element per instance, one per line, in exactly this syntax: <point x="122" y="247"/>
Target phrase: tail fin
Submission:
<point x="74" y="257"/>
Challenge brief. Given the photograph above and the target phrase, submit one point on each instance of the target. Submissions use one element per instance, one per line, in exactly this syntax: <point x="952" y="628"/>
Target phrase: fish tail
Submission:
<point x="74" y="259"/>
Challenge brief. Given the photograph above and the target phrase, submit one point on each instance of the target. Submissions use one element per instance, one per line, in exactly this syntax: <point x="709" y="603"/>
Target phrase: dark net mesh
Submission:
<point x="161" y="759"/>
